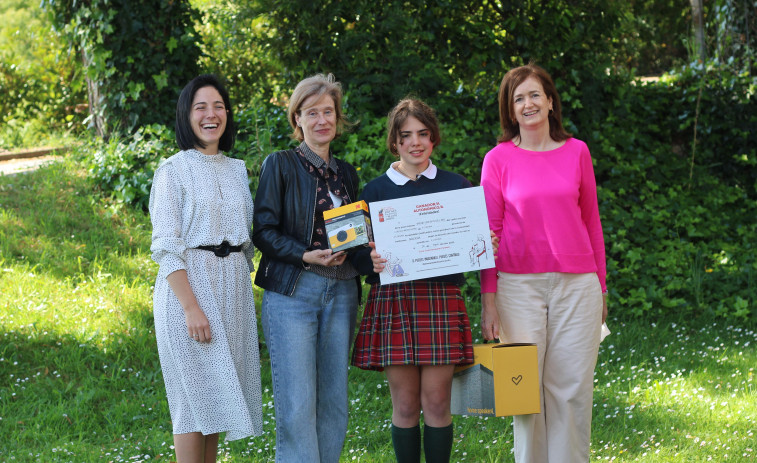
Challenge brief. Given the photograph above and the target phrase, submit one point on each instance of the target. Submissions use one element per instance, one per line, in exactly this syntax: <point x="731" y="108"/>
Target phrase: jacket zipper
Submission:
<point x="312" y="226"/>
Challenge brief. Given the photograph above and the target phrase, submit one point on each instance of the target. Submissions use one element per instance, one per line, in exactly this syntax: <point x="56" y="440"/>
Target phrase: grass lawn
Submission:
<point x="80" y="379"/>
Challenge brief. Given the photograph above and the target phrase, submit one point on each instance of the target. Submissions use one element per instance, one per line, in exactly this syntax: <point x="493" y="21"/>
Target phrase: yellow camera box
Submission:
<point x="348" y="226"/>
<point x="502" y="381"/>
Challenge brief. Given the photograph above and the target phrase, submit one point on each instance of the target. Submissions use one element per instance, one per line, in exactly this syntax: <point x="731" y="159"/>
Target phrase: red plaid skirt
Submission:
<point x="413" y="323"/>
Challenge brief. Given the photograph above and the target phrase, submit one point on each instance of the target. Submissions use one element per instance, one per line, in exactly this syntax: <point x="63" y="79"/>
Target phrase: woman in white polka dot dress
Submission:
<point x="201" y="211"/>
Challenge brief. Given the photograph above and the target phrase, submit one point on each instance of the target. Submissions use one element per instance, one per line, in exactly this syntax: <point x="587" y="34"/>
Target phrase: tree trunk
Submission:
<point x="95" y="101"/>
<point x="697" y="18"/>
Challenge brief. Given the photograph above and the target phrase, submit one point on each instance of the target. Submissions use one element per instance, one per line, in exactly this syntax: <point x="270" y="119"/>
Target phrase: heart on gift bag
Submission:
<point x="517" y="379"/>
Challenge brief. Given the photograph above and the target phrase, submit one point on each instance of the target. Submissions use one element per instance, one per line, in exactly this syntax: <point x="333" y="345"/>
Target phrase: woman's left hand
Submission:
<point x="324" y="257"/>
<point x="495" y="242"/>
<point x="604" y="307"/>
<point x="336" y="259"/>
<point x="489" y="317"/>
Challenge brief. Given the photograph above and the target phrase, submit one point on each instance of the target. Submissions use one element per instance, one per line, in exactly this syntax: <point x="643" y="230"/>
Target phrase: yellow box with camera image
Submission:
<point x="348" y="226"/>
<point x="502" y="381"/>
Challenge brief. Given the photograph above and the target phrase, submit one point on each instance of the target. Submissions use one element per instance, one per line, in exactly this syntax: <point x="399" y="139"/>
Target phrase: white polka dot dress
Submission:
<point x="200" y="200"/>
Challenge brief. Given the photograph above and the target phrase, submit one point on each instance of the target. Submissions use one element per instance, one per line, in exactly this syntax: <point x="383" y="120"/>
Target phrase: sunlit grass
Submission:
<point x="21" y="132"/>
<point x="675" y="392"/>
<point x="80" y="379"/>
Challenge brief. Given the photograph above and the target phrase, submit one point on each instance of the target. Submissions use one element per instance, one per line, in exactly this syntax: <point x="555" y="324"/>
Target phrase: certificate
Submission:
<point x="432" y="235"/>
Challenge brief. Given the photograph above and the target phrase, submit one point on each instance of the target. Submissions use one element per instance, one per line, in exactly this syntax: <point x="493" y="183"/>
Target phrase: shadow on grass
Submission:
<point x="51" y="218"/>
<point x="63" y="389"/>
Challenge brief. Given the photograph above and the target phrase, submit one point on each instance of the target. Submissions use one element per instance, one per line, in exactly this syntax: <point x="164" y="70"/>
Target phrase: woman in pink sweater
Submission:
<point x="549" y="284"/>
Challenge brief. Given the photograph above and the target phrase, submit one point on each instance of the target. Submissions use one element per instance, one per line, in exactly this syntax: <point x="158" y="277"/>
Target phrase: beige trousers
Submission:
<point x="561" y="313"/>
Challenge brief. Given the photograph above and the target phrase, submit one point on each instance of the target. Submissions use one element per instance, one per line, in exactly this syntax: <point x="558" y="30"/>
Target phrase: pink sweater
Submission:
<point x="543" y="206"/>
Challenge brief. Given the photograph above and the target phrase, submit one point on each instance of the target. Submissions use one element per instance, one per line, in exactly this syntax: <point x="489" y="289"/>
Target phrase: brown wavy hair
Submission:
<point x="410" y="107"/>
<point x="511" y="81"/>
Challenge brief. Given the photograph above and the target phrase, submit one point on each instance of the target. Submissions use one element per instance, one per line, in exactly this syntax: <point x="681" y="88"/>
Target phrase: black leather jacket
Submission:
<point x="282" y="223"/>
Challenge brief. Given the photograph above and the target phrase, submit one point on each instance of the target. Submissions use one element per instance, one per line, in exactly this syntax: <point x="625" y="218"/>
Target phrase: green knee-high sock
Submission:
<point x="437" y="443"/>
<point x="407" y="444"/>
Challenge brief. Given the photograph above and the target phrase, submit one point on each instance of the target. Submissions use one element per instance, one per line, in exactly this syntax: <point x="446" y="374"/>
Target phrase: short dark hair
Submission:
<point x="510" y="82"/>
<point x="410" y="107"/>
<point x="185" y="136"/>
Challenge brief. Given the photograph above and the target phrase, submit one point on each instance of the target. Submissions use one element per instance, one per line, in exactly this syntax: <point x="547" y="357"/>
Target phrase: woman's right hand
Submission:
<point x="198" y="326"/>
<point x="489" y="317"/>
<point x="197" y="322"/>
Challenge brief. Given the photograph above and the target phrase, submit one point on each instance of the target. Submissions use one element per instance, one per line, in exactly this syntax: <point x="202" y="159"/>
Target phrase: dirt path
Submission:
<point x="28" y="159"/>
<point x="15" y="166"/>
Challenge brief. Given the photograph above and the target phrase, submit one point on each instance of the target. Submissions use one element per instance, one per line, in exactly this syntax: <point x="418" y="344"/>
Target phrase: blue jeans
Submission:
<point x="309" y="336"/>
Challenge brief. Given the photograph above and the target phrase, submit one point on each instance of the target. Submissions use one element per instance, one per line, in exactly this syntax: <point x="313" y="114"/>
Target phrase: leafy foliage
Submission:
<point x="654" y="36"/>
<point x="137" y="56"/>
<point x="678" y="212"/>
<point x="41" y="88"/>
<point x="234" y="35"/>
<point x="733" y="33"/>
<point x="262" y="128"/>
<point x="124" y="167"/>
<point x="387" y="49"/>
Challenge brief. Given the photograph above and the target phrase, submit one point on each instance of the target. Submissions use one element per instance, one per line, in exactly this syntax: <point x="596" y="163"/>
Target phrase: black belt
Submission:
<point x="222" y="250"/>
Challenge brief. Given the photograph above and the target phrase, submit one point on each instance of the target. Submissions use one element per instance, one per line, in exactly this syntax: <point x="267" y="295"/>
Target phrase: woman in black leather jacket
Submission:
<point x="311" y="294"/>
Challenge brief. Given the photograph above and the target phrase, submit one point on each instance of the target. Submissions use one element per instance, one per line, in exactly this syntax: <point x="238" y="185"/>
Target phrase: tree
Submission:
<point x="37" y="82"/>
<point x="732" y="27"/>
<point x="697" y="17"/>
<point x="233" y="44"/>
<point x="443" y="50"/>
<point x="137" y="55"/>
<point x="653" y="36"/>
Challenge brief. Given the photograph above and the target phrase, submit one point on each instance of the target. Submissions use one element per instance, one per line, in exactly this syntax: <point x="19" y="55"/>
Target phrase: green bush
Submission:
<point x="262" y="129"/>
<point x="678" y="222"/>
<point x="123" y="167"/>
<point x="137" y="55"/>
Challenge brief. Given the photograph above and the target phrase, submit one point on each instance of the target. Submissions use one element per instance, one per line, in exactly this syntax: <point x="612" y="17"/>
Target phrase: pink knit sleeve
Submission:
<point x="491" y="179"/>
<point x="590" y="214"/>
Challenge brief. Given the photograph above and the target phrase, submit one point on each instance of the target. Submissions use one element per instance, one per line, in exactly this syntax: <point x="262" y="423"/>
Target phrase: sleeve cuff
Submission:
<point x="489" y="280"/>
<point x="171" y="263"/>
